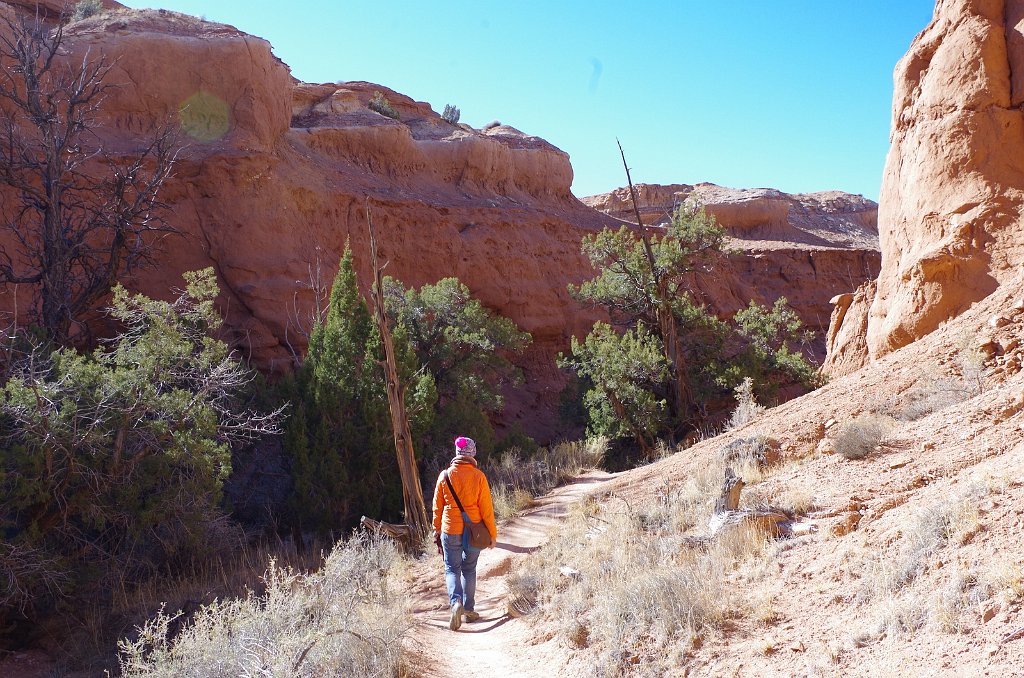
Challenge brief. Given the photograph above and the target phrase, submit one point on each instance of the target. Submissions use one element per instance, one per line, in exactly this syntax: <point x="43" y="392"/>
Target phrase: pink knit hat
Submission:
<point x="465" y="447"/>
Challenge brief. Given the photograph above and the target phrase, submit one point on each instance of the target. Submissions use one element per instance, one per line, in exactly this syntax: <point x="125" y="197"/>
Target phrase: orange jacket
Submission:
<point x="470" y="484"/>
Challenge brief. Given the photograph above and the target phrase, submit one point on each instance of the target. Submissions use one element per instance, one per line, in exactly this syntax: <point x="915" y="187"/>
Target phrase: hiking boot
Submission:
<point x="471" y="616"/>
<point x="456" y="620"/>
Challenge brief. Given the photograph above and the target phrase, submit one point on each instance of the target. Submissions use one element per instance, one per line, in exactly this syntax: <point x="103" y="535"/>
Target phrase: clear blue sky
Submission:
<point x="791" y="94"/>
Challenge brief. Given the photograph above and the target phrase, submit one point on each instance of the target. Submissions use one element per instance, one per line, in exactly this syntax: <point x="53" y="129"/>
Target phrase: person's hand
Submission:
<point x="437" y="542"/>
<point x="494" y="542"/>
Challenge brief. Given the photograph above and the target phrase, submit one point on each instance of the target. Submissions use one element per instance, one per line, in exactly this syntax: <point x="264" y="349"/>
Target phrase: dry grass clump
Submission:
<point x="859" y="437"/>
<point x="516" y="479"/>
<point x="889" y="580"/>
<point x="932" y="526"/>
<point x="962" y="593"/>
<point x="747" y="407"/>
<point x="637" y="594"/>
<point x="932" y="394"/>
<point x="1006" y="577"/>
<point x="341" y="620"/>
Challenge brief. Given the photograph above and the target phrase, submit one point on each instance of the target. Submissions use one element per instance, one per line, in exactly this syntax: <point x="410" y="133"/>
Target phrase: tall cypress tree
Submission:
<point x="339" y="438"/>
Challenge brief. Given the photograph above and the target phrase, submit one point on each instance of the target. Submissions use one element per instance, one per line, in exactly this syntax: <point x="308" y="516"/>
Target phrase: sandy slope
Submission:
<point x="961" y="615"/>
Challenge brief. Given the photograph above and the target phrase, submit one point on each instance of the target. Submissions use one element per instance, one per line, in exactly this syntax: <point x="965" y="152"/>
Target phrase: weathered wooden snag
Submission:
<point x="771" y="521"/>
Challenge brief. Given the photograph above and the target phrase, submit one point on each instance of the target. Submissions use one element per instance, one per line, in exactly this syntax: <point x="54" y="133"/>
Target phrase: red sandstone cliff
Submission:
<point x="276" y="175"/>
<point x="807" y="248"/>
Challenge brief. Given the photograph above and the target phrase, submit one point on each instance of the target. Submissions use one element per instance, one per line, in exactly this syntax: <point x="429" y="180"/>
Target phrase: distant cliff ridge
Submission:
<point x="806" y="247"/>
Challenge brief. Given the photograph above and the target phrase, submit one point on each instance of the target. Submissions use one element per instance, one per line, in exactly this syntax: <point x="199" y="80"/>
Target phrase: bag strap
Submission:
<point x="452" y="490"/>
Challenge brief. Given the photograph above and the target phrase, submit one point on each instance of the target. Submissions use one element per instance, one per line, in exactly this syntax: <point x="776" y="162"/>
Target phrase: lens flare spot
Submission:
<point x="205" y="117"/>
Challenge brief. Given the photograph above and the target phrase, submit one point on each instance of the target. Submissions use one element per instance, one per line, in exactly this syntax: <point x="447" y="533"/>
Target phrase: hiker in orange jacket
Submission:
<point x="452" y="535"/>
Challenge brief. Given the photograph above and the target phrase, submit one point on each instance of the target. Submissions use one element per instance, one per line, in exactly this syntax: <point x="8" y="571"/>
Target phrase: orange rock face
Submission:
<point x="846" y="342"/>
<point x="950" y="206"/>
<point x="275" y="176"/>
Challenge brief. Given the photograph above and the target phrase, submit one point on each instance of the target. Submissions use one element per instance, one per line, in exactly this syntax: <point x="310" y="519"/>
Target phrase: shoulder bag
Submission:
<point x="479" y="535"/>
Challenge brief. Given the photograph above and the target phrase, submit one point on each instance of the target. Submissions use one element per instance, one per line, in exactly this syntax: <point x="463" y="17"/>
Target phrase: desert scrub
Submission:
<point x="451" y="114"/>
<point x="516" y="479"/>
<point x="636" y="593"/>
<point x="931" y="527"/>
<point x="859" y="437"/>
<point x="747" y="407"/>
<point x="380" y="104"/>
<point x="933" y="393"/>
<point x="85" y="9"/>
<point x="344" y="619"/>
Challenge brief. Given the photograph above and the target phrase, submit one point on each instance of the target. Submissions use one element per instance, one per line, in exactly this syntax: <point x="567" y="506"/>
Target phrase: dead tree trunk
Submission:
<point x="412" y="491"/>
<point x="769" y="521"/>
<point x="680" y="397"/>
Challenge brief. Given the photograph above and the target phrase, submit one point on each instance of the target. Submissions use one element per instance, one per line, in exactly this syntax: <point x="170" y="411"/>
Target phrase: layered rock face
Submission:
<point x="275" y="176"/>
<point x="953" y="188"/>
<point x="807" y="248"/>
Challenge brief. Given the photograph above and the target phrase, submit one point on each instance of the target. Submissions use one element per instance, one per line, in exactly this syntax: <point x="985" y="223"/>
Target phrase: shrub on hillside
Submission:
<point x="859" y="437"/>
<point x="747" y="407"/>
<point x="380" y="104"/>
<point x="451" y="114"/>
<point x="345" y="619"/>
<point x="86" y="8"/>
<point x="934" y="394"/>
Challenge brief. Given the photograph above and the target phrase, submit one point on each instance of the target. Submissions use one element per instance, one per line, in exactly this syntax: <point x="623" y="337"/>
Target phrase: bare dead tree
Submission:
<point x="681" y="397"/>
<point x="412" y="491"/>
<point x="74" y="217"/>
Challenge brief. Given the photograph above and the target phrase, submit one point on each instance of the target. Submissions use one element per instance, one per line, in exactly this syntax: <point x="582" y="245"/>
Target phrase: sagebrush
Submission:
<point x="86" y="8"/>
<point x="645" y="604"/>
<point x="859" y="437"/>
<point x="345" y="619"/>
<point x="516" y="479"/>
<point x="380" y="104"/>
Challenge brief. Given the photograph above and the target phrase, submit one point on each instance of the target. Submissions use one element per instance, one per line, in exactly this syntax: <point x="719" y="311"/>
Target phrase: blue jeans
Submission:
<point x="459" y="570"/>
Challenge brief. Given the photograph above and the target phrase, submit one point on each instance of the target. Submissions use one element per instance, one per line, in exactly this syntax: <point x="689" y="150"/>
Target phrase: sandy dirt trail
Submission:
<point x="497" y="644"/>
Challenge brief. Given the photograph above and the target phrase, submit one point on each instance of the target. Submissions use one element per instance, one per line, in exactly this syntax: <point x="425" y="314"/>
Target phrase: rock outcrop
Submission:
<point x="846" y="345"/>
<point x="953" y="188"/>
<point x="275" y="176"/>
<point x="807" y="248"/>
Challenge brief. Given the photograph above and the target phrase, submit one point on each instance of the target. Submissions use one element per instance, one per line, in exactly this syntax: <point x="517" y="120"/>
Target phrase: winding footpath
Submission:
<point x="497" y="644"/>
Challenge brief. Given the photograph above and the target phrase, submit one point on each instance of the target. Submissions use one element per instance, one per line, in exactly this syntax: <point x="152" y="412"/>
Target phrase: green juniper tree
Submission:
<point x="340" y="440"/>
<point x="113" y="462"/>
<point x="683" y="355"/>
<point x="647" y="282"/>
<point x="465" y="348"/>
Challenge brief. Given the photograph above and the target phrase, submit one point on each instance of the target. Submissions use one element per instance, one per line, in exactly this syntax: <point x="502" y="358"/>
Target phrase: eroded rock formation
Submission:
<point x="276" y="175"/>
<point x="953" y="188"/>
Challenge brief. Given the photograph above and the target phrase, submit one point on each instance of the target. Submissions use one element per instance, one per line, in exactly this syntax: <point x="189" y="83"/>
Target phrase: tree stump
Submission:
<point x="406" y="536"/>
<point x="773" y="522"/>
